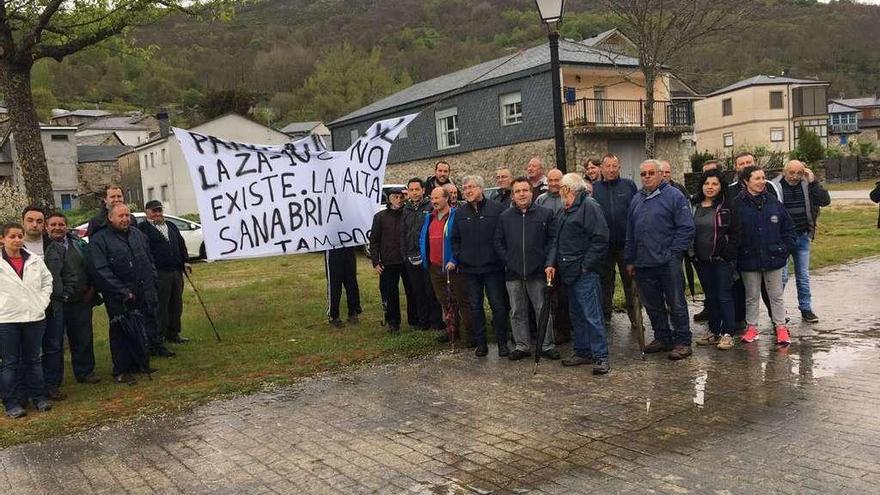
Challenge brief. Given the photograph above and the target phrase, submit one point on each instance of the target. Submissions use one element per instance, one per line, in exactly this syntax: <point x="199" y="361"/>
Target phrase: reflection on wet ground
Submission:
<point x="756" y="419"/>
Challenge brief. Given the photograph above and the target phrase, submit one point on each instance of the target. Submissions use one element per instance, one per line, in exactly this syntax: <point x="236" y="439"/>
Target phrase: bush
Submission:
<point x="698" y="159"/>
<point x="809" y="148"/>
<point x="13" y="200"/>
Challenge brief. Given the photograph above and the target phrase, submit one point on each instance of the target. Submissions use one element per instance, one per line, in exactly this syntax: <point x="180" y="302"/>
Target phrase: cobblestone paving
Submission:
<point x="751" y="420"/>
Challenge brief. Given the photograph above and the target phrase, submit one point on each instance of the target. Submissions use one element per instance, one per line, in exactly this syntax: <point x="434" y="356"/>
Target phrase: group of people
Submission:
<point x="51" y="280"/>
<point x="454" y="248"/>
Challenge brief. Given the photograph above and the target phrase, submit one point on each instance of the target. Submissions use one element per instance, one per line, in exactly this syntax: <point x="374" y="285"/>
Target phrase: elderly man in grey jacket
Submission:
<point x="802" y="195"/>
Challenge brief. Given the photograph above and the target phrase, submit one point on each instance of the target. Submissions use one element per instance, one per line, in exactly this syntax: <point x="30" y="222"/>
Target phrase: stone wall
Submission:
<point x="93" y="178"/>
<point x="481" y="162"/>
<point x="667" y="146"/>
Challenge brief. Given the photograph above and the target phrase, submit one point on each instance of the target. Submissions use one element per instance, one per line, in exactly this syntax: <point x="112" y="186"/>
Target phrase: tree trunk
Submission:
<point x="15" y="83"/>
<point x="650" y="77"/>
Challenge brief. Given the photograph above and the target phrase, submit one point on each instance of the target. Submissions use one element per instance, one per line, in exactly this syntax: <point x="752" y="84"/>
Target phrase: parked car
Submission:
<point x="189" y="230"/>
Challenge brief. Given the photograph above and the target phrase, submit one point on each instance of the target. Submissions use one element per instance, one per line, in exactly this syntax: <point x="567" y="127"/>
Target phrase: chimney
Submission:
<point x="164" y="125"/>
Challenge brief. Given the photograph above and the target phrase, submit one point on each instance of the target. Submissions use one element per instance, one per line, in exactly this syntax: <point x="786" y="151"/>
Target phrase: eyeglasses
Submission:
<point x="649" y="173"/>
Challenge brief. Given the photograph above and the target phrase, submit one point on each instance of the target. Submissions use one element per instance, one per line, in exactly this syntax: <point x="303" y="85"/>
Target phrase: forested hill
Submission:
<point x="319" y="59"/>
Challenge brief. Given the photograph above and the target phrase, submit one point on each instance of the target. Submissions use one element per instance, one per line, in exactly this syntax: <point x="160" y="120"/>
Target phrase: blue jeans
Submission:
<point x="801" y="256"/>
<point x="492" y="284"/>
<point x="20" y="348"/>
<point x="53" y="348"/>
<point x="661" y="287"/>
<point x="585" y="307"/>
<point x="717" y="280"/>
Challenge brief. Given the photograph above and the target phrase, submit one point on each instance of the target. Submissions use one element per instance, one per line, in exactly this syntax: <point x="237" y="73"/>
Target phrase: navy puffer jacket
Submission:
<point x="768" y="234"/>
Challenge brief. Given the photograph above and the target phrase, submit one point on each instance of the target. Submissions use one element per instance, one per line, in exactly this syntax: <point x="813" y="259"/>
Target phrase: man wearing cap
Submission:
<point x="169" y="255"/>
<point x="387" y="258"/>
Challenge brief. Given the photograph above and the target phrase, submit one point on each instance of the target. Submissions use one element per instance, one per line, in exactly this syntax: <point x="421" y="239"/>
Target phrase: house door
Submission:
<point x="631" y="153"/>
<point x="599" y="97"/>
<point x="66" y="202"/>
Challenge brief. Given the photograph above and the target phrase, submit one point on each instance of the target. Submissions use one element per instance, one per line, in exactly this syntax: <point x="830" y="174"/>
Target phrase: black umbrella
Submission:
<point x="638" y="321"/>
<point x="450" y="311"/>
<point x="543" y="322"/>
<point x="132" y="326"/>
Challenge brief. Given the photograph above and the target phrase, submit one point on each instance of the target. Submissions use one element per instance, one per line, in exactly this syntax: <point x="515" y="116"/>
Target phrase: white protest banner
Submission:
<point x="265" y="200"/>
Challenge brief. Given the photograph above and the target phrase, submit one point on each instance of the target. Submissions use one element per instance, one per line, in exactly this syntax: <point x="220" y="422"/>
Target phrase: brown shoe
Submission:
<point x="657" y="346"/>
<point x="680" y="352"/>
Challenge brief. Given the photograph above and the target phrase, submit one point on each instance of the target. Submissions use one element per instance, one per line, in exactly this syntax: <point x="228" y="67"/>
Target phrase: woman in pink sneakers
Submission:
<point x="768" y="236"/>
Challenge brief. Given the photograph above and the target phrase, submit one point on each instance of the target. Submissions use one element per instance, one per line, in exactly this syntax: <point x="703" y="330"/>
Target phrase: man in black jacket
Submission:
<point x="387" y="259"/>
<point x="504" y="182"/>
<point x="112" y="195"/>
<point x="473" y="237"/>
<point x="169" y="255"/>
<point x="124" y="273"/>
<point x="442" y="170"/>
<point x="79" y="303"/>
<point x="614" y="194"/>
<point x="525" y="240"/>
<point x="427" y="309"/>
<point x="63" y="282"/>
<point x="581" y="243"/>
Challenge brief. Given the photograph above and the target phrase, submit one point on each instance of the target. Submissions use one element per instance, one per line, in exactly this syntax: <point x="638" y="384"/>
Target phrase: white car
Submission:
<point x="190" y="231"/>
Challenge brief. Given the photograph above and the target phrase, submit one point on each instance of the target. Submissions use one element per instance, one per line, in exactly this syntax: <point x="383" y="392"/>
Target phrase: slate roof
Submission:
<point x="762" y="80"/>
<point x="835" y="107"/>
<point x="89" y="153"/>
<point x="535" y="59"/>
<point x="299" y="127"/>
<point x="117" y="124"/>
<point x="83" y="113"/>
<point x="869" y="101"/>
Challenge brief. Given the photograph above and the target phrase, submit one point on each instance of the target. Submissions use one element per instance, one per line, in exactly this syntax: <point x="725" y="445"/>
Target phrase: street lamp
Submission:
<point x="551" y="14"/>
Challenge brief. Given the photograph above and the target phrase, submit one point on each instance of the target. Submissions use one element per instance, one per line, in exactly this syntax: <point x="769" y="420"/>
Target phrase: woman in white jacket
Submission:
<point x="25" y="288"/>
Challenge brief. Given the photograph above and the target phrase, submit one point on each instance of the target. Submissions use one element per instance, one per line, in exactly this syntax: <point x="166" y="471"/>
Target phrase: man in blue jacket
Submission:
<point x="659" y="230"/>
<point x="526" y="241"/>
<point x="473" y="236"/>
<point x="614" y="194"/>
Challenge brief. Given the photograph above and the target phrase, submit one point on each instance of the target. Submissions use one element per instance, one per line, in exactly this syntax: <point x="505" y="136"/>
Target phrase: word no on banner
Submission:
<point x="265" y="200"/>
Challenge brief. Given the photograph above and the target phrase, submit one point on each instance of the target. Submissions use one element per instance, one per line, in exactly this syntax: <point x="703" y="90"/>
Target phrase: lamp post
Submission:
<point x="551" y="14"/>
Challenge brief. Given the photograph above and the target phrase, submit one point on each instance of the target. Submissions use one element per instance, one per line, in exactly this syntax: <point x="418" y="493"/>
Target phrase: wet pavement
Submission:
<point x="752" y="420"/>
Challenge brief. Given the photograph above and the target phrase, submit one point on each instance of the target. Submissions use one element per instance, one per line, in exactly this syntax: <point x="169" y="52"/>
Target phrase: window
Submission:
<point x="145" y="161"/>
<point x="59" y="137"/>
<point x="106" y="169"/>
<point x="181" y="225"/>
<point x="163" y="157"/>
<point x="726" y="107"/>
<point x="728" y="140"/>
<point x="844" y="138"/>
<point x="777" y="134"/>
<point x="447" y="128"/>
<point x="354" y="135"/>
<point x="570" y="95"/>
<point x="775" y="100"/>
<point x="809" y="100"/>
<point x="163" y="193"/>
<point x="150" y="193"/>
<point x="152" y="160"/>
<point x="511" y="109"/>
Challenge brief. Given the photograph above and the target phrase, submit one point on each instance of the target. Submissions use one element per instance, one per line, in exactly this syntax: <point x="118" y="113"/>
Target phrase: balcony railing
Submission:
<point x="591" y="112"/>
<point x="843" y="128"/>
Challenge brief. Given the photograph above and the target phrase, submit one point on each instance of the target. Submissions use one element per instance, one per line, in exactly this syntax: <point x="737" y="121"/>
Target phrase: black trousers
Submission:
<point x="389" y="289"/>
<point x="170" y="307"/>
<point x="428" y="314"/>
<point x="341" y="267"/>
<point x="78" y="323"/>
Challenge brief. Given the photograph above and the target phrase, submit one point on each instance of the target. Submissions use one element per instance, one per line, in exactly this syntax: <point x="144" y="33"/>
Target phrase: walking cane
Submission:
<point x="638" y="322"/>
<point x="543" y="323"/>
<point x="205" y="308"/>
<point x="450" y="313"/>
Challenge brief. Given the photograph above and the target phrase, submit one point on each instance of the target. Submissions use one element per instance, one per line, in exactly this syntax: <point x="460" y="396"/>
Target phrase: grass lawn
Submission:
<point x="851" y="186"/>
<point x="270" y="313"/>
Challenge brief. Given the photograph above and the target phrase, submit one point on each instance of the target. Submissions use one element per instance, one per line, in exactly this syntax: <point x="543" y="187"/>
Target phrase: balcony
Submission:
<point x="599" y="114"/>
<point x="843" y="128"/>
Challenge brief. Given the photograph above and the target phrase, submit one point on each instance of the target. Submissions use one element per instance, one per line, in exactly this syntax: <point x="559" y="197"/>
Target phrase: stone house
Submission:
<point x="130" y="178"/>
<point x="60" y="149"/>
<point x="97" y="168"/>
<point x="76" y="118"/>
<point x="500" y="113"/>
<point x="854" y="119"/>
<point x="132" y="130"/>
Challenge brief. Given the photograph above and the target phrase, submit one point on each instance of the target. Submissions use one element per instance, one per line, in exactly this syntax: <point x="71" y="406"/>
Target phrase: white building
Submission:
<point x="164" y="174"/>
<point x="60" y="148"/>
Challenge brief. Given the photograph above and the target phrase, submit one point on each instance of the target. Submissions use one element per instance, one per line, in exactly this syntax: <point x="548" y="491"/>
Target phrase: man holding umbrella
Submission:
<point x="526" y="240"/>
<point x="581" y="244"/>
<point x="126" y="277"/>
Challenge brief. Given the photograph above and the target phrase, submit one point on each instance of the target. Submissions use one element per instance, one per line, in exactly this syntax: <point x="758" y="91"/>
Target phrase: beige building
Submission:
<point x="59" y="146"/>
<point x="762" y="110"/>
<point x="164" y="173"/>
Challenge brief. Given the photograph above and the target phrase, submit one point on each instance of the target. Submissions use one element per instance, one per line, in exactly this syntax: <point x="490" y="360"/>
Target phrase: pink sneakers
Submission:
<point x="751" y="334"/>
<point x="782" y="337"/>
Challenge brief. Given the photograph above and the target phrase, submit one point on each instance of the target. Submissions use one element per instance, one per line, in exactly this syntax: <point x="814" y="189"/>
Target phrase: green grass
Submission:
<point x="270" y="313"/>
<point x="851" y="186"/>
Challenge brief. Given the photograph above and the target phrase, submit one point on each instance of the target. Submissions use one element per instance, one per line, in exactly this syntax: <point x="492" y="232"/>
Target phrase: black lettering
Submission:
<point x="324" y="155"/>
<point x="302" y="245"/>
<point x="328" y="179"/>
<point x="359" y="147"/>
<point x="323" y="242"/>
<point x="205" y="185"/>
<point x="263" y="160"/>
<point x="383" y="133"/>
<point x="375" y="191"/>
<point x="277" y="224"/>
<point x="305" y="157"/>
<point x="283" y="244"/>
<point x="198" y="139"/>
<point x="311" y="206"/>
<point x="259" y="196"/>
<point x="244" y="159"/>
<point x="221" y="171"/>
<point x="216" y="207"/>
<point x="261" y="230"/>
<point x="348" y="180"/>
<point x="287" y="187"/>
<point x="294" y="215"/>
<point x="268" y="180"/>
<point x="374" y="162"/>
<point x="245" y="233"/>
<point x="234" y="247"/>
<point x="229" y="145"/>
<point x="344" y="237"/>
<point x="333" y="209"/>
<point x="233" y="201"/>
